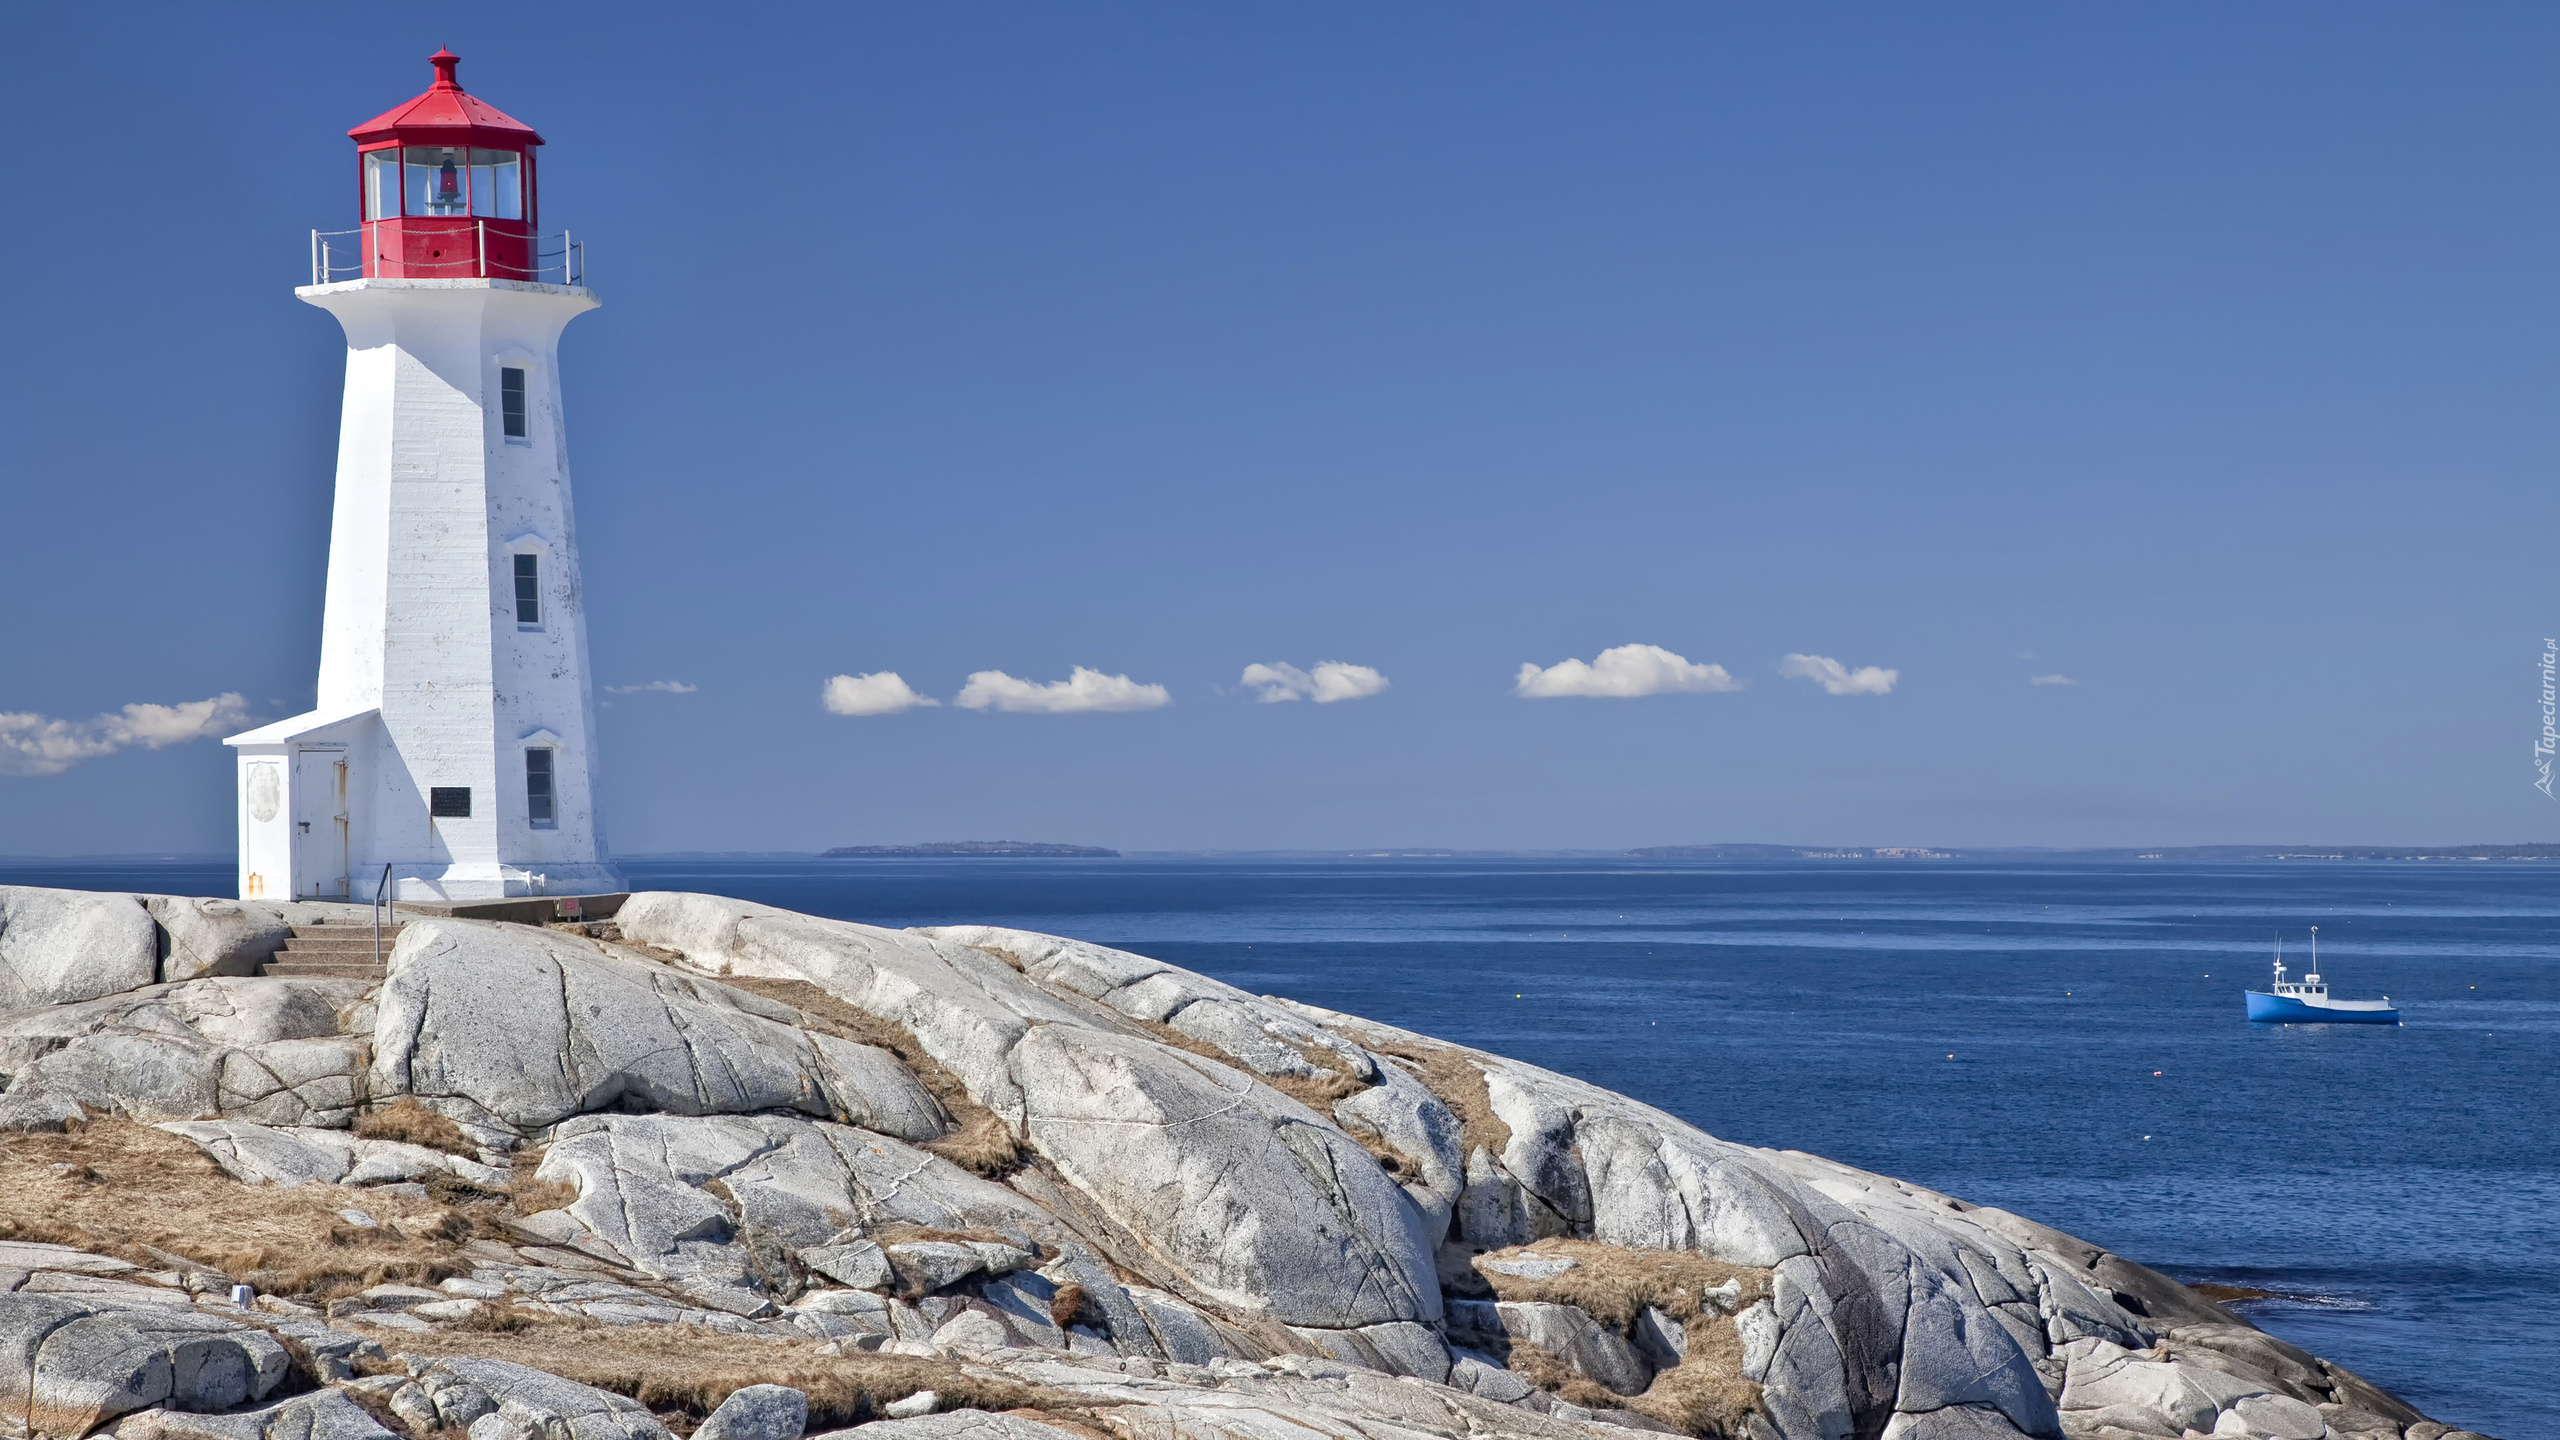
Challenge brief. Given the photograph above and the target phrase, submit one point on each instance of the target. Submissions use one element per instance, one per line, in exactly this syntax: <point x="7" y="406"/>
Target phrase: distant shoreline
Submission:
<point x="975" y="849"/>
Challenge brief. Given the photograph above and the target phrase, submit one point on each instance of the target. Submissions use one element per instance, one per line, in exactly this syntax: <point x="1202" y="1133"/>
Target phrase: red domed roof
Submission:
<point x="445" y="115"/>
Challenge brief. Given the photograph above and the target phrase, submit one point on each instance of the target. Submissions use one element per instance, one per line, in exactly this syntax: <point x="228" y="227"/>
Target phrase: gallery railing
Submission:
<point x="546" y="259"/>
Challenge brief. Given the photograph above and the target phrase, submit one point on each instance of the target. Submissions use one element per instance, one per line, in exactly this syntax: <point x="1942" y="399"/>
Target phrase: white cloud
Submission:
<point x="880" y="694"/>
<point x="1084" y="690"/>
<point x="667" y="687"/>
<point x="35" y="745"/>
<point x="1839" y="679"/>
<point x="2051" y="680"/>
<point x="1623" y="672"/>
<point x="1331" y="681"/>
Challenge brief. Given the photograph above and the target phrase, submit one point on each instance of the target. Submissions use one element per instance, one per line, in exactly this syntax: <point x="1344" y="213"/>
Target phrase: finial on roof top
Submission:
<point x="444" y="60"/>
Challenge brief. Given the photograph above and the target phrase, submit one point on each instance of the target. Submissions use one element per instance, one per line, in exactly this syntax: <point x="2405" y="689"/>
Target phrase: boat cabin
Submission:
<point x="2307" y="988"/>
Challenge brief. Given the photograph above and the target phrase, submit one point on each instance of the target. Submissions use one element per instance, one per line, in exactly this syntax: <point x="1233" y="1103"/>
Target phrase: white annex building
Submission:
<point x="453" y="749"/>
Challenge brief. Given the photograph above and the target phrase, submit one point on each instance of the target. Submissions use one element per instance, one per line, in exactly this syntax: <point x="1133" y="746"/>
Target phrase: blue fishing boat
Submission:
<point x="2307" y="1000"/>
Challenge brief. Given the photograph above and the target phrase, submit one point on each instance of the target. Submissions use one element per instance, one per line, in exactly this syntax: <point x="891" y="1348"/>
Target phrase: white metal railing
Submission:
<point x="555" y="259"/>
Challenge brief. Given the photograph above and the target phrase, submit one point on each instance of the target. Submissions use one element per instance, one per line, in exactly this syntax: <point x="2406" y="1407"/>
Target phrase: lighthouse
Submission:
<point x="452" y="754"/>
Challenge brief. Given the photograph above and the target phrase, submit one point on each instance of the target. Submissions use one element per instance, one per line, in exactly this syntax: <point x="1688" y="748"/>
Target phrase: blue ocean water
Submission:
<point x="2065" y="1041"/>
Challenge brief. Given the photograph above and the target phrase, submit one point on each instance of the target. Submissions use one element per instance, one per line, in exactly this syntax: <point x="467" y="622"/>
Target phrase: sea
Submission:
<point x="2062" y="1040"/>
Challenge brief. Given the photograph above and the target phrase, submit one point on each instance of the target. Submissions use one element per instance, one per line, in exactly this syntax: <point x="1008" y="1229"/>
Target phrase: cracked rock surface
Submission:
<point x="721" y="1167"/>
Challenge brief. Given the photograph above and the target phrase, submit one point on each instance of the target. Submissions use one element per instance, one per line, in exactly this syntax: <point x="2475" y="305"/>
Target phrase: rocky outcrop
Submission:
<point x="214" y="937"/>
<point x="59" y="946"/>
<point x="1070" y="1172"/>
<point x="320" y="1415"/>
<point x="306" y="1155"/>
<point x="524" y="1028"/>
<point x="497" y="1400"/>
<point x="273" y="1051"/>
<point x="69" y="1363"/>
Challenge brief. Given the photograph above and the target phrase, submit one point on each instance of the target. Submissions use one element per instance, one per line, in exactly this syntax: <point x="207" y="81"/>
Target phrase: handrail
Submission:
<point x="566" y="259"/>
<point x="381" y="889"/>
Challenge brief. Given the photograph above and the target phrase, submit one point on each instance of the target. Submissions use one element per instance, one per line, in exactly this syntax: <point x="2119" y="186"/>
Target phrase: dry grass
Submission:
<point x="145" y="1195"/>
<point x="408" y="1121"/>
<point x="1450" y="1075"/>
<point x="1705" y="1393"/>
<point x="1067" y="1306"/>
<point x="1540" y="1368"/>
<point x="689" y="1371"/>
<point x="503" y="1316"/>
<point x="1316" y="1092"/>
<point x="1613" y="1284"/>
<point x="533" y="1195"/>
<point x="979" y="1141"/>
<point x="983" y="1145"/>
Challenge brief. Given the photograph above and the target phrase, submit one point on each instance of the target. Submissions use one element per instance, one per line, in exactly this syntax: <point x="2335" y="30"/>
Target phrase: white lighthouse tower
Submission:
<point x="453" y="749"/>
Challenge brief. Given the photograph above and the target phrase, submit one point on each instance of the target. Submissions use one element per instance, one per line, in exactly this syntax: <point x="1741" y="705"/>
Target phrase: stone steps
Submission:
<point x="334" y="952"/>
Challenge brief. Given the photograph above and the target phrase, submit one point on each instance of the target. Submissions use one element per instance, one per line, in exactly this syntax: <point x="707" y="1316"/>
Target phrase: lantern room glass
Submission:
<point x="497" y="184"/>
<point x="381" y="184"/>
<point x="445" y="181"/>
<point x="436" y="182"/>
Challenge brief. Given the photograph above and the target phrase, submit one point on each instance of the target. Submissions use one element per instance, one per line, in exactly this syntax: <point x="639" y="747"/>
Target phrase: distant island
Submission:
<point x="1012" y="849"/>
<point x="2166" y="852"/>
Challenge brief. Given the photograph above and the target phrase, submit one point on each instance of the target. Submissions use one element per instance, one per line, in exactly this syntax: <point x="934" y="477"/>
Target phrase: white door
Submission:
<point x="320" y="824"/>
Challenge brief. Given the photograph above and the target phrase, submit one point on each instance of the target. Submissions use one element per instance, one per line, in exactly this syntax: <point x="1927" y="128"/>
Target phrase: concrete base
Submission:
<point x="546" y="910"/>
<point x="499" y="882"/>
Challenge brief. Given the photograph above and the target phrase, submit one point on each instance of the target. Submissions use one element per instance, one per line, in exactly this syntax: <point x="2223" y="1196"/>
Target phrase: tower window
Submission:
<point x="528" y="589"/>
<point x="436" y="180"/>
<point x="382" y="185"/>
<point x="537" y="788"/>
<point x="511" y="401"/>
<point x="497" y="185"/>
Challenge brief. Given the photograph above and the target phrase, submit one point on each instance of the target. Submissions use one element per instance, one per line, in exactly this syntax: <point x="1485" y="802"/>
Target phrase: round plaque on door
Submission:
<point x="264" y="792"/>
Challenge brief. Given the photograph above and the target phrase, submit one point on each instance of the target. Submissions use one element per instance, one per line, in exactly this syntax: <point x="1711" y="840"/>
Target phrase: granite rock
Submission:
<point x="268" y="1155"/>
<point x="525" y="1403"/>
<point x="69" y="1364"/>
<point x="757" y="1412"/>
<point x="531" y="1027"/>
<point x="1094" y="1178"/>
<point x="319" y="1415"/>
<point x="58" y="947"/>
<point x="200" y="937"/>
<point x="269" y="1050"/>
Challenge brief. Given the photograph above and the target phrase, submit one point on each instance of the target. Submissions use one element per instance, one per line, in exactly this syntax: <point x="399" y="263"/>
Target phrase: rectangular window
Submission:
<point x="449" y="802"/>
<point x="537" y="787"/>
<point x="497" y="184"/>
<point x="436" y="175"/>
<point x="511" y="401"/>
<point x="382" y="184"/>
<point x="528" y="589"/>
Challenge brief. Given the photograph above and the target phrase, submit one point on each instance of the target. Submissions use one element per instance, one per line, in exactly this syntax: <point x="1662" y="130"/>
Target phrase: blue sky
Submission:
<point x="2201" y="354"/>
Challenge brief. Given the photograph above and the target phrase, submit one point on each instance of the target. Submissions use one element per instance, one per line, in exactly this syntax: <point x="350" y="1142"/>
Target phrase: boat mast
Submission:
<point x="2314" y="977"/>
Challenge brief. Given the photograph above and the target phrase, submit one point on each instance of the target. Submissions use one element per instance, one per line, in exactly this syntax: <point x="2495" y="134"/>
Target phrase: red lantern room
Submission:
<point x="448" y="188"/>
